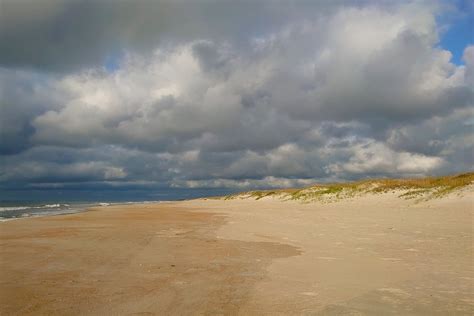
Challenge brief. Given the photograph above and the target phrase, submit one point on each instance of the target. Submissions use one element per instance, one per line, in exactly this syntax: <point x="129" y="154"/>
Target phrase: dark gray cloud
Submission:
<point x="271" y="95"/>
<point x="24" y="95"/>
<point x="69" y="34"/>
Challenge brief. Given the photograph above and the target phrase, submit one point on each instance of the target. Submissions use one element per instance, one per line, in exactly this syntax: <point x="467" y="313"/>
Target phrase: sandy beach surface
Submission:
<point x="370" y="255"/>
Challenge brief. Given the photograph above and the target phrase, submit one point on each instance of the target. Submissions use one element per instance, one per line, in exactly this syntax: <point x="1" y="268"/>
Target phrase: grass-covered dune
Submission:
<point x="416" y="188"/>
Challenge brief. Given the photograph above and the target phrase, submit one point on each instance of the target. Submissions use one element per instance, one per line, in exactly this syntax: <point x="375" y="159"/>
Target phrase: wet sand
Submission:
<point x="371" y="255"/>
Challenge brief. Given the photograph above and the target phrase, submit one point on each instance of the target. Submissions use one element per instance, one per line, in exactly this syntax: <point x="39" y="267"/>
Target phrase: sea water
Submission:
<point x="15" y="209"/>
<point x="32" y="203"/>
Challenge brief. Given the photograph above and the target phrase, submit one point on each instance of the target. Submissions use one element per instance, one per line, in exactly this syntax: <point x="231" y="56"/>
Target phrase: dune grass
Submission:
<point x="417" y="188"/>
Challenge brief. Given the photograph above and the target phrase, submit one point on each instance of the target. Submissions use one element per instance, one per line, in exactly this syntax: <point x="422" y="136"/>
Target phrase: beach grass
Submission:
<point x="409" y="188"/>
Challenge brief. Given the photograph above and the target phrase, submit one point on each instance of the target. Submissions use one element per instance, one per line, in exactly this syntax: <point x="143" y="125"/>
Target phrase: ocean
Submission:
<point x="14" y="209"/>
<point x="18" y="204"/>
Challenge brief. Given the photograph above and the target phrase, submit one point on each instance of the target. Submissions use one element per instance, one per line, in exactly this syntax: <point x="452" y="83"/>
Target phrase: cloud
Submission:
<point x="68" y="35"/>
<point x="376" y="158"/>
<point x="345" y="92"/>
<point x="24" y="95"/>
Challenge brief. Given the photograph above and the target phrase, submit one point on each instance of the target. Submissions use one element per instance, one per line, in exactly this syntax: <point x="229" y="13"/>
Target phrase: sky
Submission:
<point x="148" y="95"/>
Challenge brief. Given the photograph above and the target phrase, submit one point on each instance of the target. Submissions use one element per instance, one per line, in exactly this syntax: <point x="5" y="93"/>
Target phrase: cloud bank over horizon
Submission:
<point x="229" y="94"/>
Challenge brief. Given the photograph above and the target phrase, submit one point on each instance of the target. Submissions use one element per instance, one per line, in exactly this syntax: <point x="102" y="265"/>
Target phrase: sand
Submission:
<point x="370" y="255"/>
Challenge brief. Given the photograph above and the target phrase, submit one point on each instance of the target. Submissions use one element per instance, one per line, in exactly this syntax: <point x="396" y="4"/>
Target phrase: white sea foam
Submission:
<point x="20" y="208"/>
<point x="14" y="208"/>
<point x="49" y="206"/>
<point x="3" y="219"/>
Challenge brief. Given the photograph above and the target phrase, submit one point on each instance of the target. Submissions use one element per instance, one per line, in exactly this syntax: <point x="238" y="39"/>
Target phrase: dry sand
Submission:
<point x="371" y="255"/>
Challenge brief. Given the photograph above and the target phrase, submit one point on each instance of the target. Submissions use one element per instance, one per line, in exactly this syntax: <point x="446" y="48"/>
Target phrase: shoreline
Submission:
<point x="370" y="255"/>
<point x="79" y="210"/>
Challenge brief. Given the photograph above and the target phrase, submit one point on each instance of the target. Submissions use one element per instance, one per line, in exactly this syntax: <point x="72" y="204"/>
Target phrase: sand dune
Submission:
<point x="374" y="254"/>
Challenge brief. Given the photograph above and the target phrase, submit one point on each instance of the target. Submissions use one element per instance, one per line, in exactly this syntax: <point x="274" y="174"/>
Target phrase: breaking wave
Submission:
<point x="20" y="208"/>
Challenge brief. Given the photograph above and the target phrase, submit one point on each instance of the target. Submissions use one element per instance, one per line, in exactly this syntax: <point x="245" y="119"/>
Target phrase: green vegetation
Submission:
<point x="421" y="189"/>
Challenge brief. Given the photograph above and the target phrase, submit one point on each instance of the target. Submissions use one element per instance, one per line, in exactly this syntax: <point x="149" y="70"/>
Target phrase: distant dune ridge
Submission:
<point x="418" y="189"/>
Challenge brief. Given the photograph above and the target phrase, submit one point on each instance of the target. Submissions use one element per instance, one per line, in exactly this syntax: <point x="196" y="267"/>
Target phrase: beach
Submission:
<point x="376" y="254"/>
